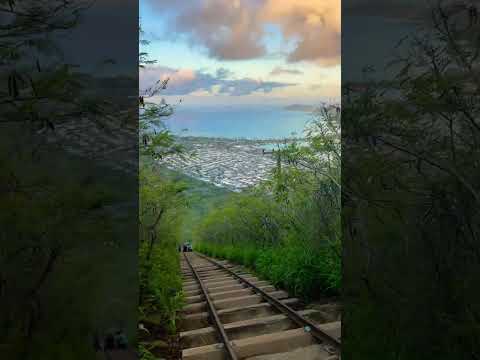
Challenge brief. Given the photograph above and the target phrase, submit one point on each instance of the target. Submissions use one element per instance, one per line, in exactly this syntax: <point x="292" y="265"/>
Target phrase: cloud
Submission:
<point x="236" y="29"/>
<point x="317" y="86"/>
<point x="227" y="29"/>
<point x="315" y="24"/>
<point x="223" y="73"/>
<point x="248" y="86"/>
<point x="187" y="81"/>
<point x="280" y="71"/>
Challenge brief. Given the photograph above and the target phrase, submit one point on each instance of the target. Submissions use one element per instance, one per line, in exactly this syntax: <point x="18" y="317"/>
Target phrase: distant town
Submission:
<point x="232" y="164"/>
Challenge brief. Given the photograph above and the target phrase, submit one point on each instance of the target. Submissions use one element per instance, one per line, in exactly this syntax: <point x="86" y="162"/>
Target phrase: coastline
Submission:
<point x="240" y="140"/>
<point x="234" y="164"/>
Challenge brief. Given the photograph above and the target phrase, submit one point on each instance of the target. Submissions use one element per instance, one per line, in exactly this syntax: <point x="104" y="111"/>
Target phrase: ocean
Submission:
<point x="234" y="122"/>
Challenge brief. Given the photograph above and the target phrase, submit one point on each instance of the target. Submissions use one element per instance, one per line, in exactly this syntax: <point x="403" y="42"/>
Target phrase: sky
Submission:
<point x="227" y="52"/>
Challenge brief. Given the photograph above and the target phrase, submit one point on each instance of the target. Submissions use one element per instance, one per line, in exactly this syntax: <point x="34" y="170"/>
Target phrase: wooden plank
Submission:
<point x="240" y="329"/>
<point x="259" y="345"/>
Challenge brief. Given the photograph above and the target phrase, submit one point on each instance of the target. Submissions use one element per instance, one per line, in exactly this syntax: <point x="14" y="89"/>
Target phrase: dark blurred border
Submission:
<point x="410" y="179"/>
<point x="68" y="179"/>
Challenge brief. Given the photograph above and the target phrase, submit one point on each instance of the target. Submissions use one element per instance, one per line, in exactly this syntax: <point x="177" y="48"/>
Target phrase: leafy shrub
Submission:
<point x="161" y="203"/>
<point x="288" y="228"/>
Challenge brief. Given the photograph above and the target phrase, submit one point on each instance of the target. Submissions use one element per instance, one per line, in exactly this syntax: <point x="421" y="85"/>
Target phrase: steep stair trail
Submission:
<point x="230" y="314"/>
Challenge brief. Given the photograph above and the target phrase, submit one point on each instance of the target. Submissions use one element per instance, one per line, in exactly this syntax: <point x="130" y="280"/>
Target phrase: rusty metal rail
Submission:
<point x="213" y="313"/>
<point x="309" y="326"/>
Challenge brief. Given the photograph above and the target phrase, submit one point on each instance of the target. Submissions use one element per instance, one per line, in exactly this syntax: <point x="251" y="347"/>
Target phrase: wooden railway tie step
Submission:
<point x="252" y="326"/>
<point x="253" y="346"/>
<point x="241" y="329"/>
<point x="219" y="295"/>
<point x="232" y="302"/>
<point x="199" y="320"/>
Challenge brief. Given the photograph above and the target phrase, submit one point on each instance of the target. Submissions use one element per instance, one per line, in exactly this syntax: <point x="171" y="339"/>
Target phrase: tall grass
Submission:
<point x="302" y="271"/>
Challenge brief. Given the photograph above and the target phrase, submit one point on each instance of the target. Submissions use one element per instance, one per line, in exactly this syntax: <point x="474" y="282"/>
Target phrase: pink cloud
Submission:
<point x="315" y="23"/>
<point x="228" y="29"/>
<point x="282" y="71"/>
<point x="235" y="29"/>
<point x="150" y="75"/>
<point x="188" y="81"/>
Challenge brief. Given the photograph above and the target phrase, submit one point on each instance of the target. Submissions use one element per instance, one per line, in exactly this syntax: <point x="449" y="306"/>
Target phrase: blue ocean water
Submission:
<point x="248" y="122"/>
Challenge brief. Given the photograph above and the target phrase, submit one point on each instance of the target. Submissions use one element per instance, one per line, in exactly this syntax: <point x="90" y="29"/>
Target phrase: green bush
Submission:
<point x="301" y="271"/>
<point x="161" y="284"/>
<point x="161" y="203"/>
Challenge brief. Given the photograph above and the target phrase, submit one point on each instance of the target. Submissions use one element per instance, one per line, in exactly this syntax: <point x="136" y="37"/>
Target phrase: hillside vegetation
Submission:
<point x="67" y="248"/>
<point x="288" y="228"/>
<point x="412" y="228"/>
<point x="162" y="204"/>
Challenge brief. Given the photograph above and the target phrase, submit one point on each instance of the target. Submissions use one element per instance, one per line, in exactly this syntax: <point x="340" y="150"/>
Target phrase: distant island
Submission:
<point x="300" y="107"/>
